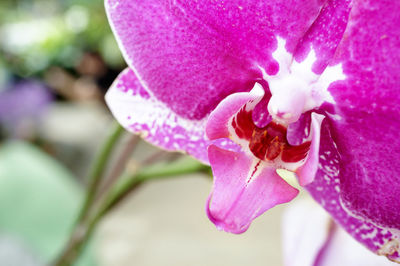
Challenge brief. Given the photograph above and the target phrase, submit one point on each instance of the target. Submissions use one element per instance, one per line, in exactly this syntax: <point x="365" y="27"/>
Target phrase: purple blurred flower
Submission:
<point x="21" y="102"/>
<point x="307" y="86"/>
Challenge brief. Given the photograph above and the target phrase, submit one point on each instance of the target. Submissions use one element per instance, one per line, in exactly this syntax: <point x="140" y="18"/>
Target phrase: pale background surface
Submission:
<point x="165" y="224"/>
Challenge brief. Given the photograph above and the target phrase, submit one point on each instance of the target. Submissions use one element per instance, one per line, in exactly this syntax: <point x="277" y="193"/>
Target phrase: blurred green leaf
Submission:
<point x="39" y="199"/>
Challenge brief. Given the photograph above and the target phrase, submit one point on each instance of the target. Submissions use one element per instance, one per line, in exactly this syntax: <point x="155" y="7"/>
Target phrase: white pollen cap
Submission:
<point x="289" y="97"/>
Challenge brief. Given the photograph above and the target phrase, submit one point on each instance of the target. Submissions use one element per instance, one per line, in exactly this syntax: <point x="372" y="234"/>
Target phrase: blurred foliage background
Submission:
<point x="69" y="34"/>
<point x="53" y="55"/>
<point x="64" y="49"/>
<point x="57" y="59"/>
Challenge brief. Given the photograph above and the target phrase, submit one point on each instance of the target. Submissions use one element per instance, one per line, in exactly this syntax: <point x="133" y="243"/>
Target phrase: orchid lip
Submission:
<point x="246" y="181"/>
<point x="269" y="143"/>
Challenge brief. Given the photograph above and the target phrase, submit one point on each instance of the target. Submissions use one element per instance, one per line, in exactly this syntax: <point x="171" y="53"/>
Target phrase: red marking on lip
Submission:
<point x="269" y="142"/>
<point x="297" y="153"/>
<point x="243" y="124"/>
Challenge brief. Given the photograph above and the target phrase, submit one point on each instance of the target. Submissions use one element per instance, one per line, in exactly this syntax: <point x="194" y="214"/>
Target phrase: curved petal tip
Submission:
<point x="243" y="189"/>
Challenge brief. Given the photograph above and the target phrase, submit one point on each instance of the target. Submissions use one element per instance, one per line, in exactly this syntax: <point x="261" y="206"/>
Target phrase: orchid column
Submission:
<point x="254" y="86"/>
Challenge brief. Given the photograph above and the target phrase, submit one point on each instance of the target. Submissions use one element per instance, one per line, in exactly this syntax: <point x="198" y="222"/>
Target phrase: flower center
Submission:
<point x="269" y="142"/>
<point x="296" y="88"/>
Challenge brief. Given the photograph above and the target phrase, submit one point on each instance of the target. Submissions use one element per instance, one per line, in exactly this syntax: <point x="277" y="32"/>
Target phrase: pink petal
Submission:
<point x="218" y="121"/>
<point x="345" y="251"/>
<point x="243" y="189"/>
<point x="141" y="113"/>
<point x="326" y="190"/>
<point x="305" y="228"/>
<point x="192" y="54"/>
<point x="325" y="33"/>
<point x="311" y="238"/>
<point x="306" y="172"/>
<point x="367" y="111"/>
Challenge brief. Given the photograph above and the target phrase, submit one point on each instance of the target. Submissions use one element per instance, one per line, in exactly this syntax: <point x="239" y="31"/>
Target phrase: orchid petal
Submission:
<point x="192" y="54"/>
<point x="325" y="189"/>
<point x="243" y="189"/>
<point x="218" y="121"/>
<point x="141" y="113"/>
<point x="325" y="34"/>
<point x="345" y="251"/>
<point x="305" y="230"/>
<point x="311" y="238"/>
<point x="365" y="120"/>
<point x="306" y="172"/>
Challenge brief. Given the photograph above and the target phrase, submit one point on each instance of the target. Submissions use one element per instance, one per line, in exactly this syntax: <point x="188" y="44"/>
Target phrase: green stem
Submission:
<point x="94" y="177"/>
<point x="130" y="182"/>
<point x="98" y="168"/>
<point x="119" y="166"/>
<point x="119" y="192"/>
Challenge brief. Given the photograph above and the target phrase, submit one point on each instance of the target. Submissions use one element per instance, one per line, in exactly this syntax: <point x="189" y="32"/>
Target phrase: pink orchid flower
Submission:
<point x="253" y="86"/>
